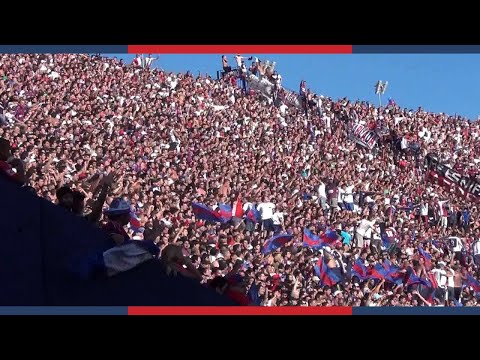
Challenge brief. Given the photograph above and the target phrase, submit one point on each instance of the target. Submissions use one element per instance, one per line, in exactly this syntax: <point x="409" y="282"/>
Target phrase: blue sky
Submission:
<point x="448" y="83"/>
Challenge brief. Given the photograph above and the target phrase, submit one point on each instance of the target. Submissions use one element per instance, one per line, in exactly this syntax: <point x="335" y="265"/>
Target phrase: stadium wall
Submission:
<point x="40" y="244"/>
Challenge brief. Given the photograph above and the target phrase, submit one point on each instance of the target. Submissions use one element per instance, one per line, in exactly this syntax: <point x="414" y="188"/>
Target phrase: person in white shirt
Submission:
<point x="266" y="211"/>
<point x="441" y="277"/>
<point x="137" y="62"/>
<point x="443" y="213"/>
<point x="377" y="240"/>
<point x="456" y="245"/>
<point x="450" y="283"/>
<point x="149" y="61"/>
<point x="404" y="144"/>
<point x="364" y="230"/>
<point x="278" y="220"/>
<point x="249" y="224"/>
<point x="239" y="59"/>
<point x="341" y="193"/>
<point x="322" y="194"/>
<point x="348" y="196"/>
<point x="424" y="212"/>
<point x="476" y="251"/>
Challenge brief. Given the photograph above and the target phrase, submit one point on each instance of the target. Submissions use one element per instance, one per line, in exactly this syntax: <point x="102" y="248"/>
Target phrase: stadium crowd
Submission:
<point x="316" y="217"/>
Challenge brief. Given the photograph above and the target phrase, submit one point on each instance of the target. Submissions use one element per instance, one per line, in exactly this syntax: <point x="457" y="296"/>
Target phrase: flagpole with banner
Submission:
<point x="380" y="88"/>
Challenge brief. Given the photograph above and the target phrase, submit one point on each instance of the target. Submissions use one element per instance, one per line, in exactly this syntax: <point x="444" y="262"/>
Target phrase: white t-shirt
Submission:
<point x="266" y="210"/>
<point x="348" y="198"/>
<point x="476" y="247"/>
<point x="455" y="243"/>
<point x="440" y="276"/>
<point x="321" y="191"/>
<point x="247" y="206"/>
<point x="365" y="226"/>
<point x="424" y="209"/>
<point x="340" y="194"/>
<point x="440" y="204"/>
<point x="278" y="218"/>
<point x="238" y="60"/>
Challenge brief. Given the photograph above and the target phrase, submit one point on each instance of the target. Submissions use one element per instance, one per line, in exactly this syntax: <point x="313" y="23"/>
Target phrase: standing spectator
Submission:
<point x="225" y="66"/>
<point x="363" y="232"/>
<point x="266" y="211"/>
<point x="149" y="60"/>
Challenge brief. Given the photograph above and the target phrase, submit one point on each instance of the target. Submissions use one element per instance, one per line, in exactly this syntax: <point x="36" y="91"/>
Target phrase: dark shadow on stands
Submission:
<point x="39" y="243"/>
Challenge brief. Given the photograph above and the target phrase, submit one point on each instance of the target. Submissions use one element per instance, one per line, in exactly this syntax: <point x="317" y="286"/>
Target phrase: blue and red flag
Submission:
<point x="276" y="242"/>
<point x="388" y="238"/>
<point x="135" y="224"/>
<point x="203" y="212"/>
<point x="473" y="283"/>
<point x="225" y="212"/>
<point x="359" y="269"/>
<point x="414" y="279"/>
<point x="311" y="240"/>
<point x="330" y="236"/>
<point x="253" y="214"/>
<point x="426" y="256"/>
<point x="328" y="277"/>
<point x="377" y="272"/>
<point x="432" y="281"/>
<point x="393" y="273"/>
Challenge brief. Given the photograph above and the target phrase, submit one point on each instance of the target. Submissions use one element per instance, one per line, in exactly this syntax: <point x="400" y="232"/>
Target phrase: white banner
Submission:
<point x="291" y="98"/>
<point x="263" y="86"/>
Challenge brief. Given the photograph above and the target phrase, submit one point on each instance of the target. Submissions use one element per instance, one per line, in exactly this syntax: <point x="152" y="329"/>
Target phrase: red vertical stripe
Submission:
<point x="237" y="310"/>
<point x="239" y="49"/>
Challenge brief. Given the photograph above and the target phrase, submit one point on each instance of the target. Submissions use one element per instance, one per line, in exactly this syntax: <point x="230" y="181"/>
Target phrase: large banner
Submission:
<point x="364" y="136"/>
<point x="447" y="177"/>
<point x="291" y="98"/>
<point x="263" y="86"/>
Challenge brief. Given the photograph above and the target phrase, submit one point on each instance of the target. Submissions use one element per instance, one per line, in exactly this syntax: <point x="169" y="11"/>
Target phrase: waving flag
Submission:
<point x="473" y="283"/>
<point x="330" y="236"/>
<point x="253" y="214"/>
<point x="276" y="242"/>
<point x="414" y="279"/>
<point x="433" y="281"/>
<point x="426" y="256"/>
<point x="393" y="273"/>
<point x="203" y="212"/>
<point x="225" y="212"/>
<point x="377" y="272"/>
<point x="311" y="240"/>
<point x="328" y="277"/>
<point x="388" y="238"/>
<point x="135" y="224"/>
<point x="359" y="269"/>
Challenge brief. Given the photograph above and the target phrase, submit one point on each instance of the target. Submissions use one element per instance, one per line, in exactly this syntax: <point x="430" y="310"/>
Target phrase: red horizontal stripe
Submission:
<point x="239" y="49"/>
<point x="237" y="310"/>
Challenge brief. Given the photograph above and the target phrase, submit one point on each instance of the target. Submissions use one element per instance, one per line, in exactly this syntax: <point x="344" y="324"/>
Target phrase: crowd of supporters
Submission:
<point x="267" y="202"/>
